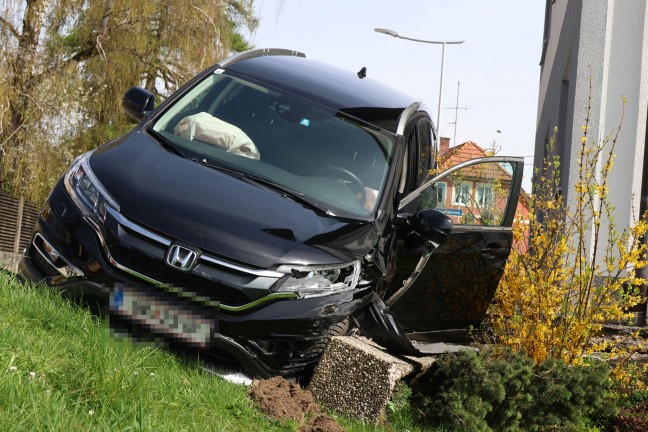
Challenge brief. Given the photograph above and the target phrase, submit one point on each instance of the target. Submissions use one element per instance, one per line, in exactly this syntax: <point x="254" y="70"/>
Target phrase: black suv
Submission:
<point x="274" y="201"/>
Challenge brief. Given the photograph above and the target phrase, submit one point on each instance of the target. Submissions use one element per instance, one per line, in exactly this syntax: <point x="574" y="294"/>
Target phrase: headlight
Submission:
<point x="313" y="281"/>
<point x="86" y="191"/>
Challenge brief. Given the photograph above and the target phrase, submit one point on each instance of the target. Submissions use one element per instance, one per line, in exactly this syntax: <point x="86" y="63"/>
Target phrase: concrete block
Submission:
<point x="9" y="261"/>
<point x="356" y="378"/>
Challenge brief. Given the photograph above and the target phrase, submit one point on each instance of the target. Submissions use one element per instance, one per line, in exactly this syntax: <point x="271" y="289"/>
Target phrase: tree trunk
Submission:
<point x="22" y="68"/>
<point x="23" y="65"/>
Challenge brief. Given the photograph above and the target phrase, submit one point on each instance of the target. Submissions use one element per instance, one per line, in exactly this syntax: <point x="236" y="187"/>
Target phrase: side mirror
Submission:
<point x="138" y="102"/>
<point x="431" y="224"/>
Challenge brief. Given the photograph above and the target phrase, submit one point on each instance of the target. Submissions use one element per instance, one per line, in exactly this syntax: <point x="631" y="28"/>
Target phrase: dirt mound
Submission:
<point x="280" y="399"/>
<point x="322" y="423"/>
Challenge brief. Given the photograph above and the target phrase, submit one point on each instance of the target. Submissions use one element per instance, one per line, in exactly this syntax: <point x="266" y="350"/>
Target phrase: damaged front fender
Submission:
<point x="378" y="323"/>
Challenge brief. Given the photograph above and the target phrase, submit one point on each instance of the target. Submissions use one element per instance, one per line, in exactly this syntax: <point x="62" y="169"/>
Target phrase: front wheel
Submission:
<point x="339" y="329"/>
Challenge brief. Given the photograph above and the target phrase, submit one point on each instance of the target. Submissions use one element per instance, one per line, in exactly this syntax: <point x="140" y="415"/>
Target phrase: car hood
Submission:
<point x="216" y="212"/>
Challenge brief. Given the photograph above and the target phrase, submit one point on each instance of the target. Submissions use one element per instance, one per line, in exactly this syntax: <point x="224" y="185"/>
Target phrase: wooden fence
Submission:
<point x="17" y="219"/>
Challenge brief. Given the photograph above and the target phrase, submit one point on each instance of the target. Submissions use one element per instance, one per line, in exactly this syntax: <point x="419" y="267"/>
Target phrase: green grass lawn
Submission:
<point x="61" y="370"/>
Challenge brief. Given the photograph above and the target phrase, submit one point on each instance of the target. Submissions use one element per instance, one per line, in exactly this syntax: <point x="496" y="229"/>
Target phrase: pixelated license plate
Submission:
<point x="162" y="316"/>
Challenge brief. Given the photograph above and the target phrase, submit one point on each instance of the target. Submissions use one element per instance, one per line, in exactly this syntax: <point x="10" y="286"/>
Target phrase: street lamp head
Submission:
<point x="395" y="34"/>
<point x="386" y="31"/>
<point x="443" y="43"/>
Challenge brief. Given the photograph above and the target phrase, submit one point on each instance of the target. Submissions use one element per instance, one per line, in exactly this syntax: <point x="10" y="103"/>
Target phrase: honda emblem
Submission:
<point x="181" y="258"/>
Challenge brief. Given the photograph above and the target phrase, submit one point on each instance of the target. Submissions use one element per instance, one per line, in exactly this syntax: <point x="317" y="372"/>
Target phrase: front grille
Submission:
<point x="187" y="282"/>
<point x="140" y="252"/>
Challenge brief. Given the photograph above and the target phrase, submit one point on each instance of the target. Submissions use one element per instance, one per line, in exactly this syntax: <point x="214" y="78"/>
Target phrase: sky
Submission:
<point x="495" y="72"/>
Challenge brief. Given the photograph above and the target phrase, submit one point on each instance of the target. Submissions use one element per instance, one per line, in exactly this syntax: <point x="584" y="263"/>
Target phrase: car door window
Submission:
<point x="473" y="195"/>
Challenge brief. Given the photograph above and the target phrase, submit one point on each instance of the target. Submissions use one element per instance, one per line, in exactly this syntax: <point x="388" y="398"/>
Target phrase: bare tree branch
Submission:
<point x="92" y="49"/>
<point x="6" y="24"/>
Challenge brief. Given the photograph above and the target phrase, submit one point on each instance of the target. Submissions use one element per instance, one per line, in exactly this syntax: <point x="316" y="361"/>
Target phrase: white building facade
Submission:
<point x="597" y="49"/>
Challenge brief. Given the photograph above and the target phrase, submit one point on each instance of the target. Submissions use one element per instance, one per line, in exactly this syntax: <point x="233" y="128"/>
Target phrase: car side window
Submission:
<point x="424" y="150"/>
<point x="419" y="154"/>
<point x="412" y="162"/>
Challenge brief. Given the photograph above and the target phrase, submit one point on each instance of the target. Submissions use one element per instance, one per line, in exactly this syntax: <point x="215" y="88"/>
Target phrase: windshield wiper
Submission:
<point x="266" y="183"/>
<point x="166" y="142"/>
<point x="285" y="191"/>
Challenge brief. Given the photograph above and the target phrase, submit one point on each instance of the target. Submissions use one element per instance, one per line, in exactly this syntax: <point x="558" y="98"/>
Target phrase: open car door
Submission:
<point x="447" y="288"/>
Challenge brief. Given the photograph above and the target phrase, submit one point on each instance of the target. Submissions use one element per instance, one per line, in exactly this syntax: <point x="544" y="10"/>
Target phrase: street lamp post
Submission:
<point x="443" y="44"/>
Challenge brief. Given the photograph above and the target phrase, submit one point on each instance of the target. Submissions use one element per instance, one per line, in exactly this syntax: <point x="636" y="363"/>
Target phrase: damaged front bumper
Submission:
<point x="275" y="337"/>
<point x="267" y="333"/>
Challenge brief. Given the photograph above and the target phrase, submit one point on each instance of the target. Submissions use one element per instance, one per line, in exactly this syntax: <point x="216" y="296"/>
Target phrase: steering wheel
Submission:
<point x="343" y="175"/>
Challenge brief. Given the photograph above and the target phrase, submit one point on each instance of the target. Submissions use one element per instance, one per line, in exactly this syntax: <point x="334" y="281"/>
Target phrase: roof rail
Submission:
<point x="262" y="52"/>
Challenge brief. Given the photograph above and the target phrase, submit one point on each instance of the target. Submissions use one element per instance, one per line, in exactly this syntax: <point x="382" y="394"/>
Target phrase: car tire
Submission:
<point x="338" y="329"/>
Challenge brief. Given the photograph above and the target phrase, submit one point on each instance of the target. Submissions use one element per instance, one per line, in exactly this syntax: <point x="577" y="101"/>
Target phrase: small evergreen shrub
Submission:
<point x="567" y="396"/>
<point x="502" y="390"/>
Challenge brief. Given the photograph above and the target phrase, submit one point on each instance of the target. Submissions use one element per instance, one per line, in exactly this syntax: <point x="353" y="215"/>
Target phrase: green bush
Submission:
<point x="568" y="395"/>
<point x="502" y="390"/>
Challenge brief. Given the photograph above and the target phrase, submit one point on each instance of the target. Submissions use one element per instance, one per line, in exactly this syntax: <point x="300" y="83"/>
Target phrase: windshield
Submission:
<point x="322" y="155"/>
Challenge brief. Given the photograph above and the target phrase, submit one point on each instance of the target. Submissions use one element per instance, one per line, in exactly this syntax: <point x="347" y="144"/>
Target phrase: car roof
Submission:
<point x="328" y="85"/>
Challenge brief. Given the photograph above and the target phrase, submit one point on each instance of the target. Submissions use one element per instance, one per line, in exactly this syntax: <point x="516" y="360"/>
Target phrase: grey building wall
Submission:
<point x="596" y="53"/>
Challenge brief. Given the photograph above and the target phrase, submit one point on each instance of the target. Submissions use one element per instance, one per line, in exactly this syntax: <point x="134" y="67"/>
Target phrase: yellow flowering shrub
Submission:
<point x="553" y="298"/>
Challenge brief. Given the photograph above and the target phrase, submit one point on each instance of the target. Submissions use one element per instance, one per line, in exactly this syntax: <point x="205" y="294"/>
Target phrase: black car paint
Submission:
<point x="155" y="187"/>
<point x="216" y="213"/>
<point x="369" y="100"/>
<point x="284" y="322"/>
<point x="139" y="166"/>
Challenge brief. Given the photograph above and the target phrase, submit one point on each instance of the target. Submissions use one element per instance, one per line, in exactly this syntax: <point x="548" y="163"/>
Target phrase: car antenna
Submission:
<point x="362" y="73"/>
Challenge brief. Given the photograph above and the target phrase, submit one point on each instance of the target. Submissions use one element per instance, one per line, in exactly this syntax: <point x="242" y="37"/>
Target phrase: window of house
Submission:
<point x="441" y="191"/>
<point x="461" y="194"/>
<point x="484" y="195"/>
